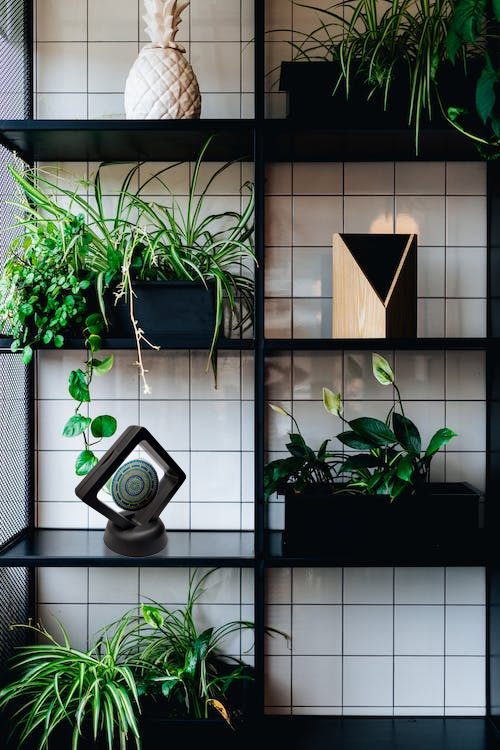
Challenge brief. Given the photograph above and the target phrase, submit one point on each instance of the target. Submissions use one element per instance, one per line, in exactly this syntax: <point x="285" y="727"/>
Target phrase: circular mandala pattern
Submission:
<point x="134" y="485"/>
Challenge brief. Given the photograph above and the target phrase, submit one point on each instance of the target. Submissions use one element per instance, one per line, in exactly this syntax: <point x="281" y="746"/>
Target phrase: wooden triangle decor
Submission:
<point x="374" y="286"/>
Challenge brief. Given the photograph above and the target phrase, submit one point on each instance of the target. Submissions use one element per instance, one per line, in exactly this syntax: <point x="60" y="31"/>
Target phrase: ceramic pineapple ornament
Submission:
<point x="161" y="84"/>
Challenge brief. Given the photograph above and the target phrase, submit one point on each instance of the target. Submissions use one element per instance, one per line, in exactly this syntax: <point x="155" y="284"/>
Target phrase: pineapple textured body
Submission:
<point x="161" y="85"/>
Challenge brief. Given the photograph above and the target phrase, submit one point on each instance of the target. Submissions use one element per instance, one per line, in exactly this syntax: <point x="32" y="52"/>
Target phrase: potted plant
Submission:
<point x="158" y="672"/>
<point x="383" y="490"/>
<point x="387" y="66"/>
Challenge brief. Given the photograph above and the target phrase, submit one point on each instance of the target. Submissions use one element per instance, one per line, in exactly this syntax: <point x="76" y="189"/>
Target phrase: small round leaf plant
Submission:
<point x="391" y="460"/>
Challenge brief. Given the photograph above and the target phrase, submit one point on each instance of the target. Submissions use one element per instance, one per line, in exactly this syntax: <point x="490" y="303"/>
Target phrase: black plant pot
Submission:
<point x="438" y="517"/>
<point x="173" y="310"/>
<point x="310" y="86"/>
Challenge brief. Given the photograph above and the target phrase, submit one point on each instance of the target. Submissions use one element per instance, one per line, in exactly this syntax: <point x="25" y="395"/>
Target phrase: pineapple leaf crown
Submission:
<point x="162" y="22"/>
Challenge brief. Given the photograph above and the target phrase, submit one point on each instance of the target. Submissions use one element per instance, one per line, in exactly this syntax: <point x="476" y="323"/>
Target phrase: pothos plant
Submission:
<point x="391" y="461"/>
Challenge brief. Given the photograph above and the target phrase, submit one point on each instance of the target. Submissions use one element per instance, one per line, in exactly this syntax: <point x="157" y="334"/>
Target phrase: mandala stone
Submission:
<point x="134" y="485"/>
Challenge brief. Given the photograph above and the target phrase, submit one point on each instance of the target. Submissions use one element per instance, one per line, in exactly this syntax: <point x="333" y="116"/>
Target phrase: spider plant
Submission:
<point x="54" y="687"/>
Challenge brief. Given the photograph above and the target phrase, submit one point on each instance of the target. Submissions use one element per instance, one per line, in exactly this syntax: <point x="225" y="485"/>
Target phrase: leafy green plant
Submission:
<point x="392" y="460"/>
<point x="182" y="666"/>
<point x="52" y="686"/>
<point x="93" y="430"/>
<point x="304" y="468"/>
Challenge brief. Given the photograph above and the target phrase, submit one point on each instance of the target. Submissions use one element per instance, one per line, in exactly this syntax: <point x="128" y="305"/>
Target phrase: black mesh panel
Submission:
<point x="15" y="93"/>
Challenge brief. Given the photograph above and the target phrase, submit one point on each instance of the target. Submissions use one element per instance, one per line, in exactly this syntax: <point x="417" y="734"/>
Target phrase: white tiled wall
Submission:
<point x="84" y="50"/>
<point x="444" y="203"/>
<point x="356" y="647"/>
<point x="377" y="641"/>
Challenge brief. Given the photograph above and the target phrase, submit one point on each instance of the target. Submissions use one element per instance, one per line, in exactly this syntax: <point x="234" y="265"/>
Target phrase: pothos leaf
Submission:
<point x="76" y="425"/>
<point x="86" y="460"/>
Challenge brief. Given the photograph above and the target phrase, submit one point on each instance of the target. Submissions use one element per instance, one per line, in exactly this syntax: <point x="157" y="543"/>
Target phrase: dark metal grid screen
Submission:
<point x="15" y="588"/>
<point x="15" y="93"/>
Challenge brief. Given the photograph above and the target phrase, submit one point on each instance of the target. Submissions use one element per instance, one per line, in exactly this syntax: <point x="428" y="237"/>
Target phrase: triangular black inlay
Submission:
<point x="378" y="255"/>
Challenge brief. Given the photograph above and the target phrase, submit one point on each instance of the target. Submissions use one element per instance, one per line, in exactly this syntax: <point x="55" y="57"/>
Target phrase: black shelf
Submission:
<point x="388" y="551"/>
<point x="418" y="344"/>
<point x="380" y="733"/>
<point x="122" y="140"/>
<point x="316" y="140"/>
<point x="72" y="547"/>
<point x="164" y="343"/>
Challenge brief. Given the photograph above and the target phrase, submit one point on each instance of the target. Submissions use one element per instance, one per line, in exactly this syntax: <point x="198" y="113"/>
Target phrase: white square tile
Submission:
<point x="106" y="25"/>
<point x="317" y="681"/>
<point x="316" y="424"/>
<point x="312" y="318"/>
<point x="220" y="106"/>
<point x="121" y="382"/>
<point x="248" y="478"/>
<point x="317" y="179"/>
<point x="419" y="681"/>
<point x="367" y="681"/>
<point x="420" y="375"/>
<point x="465" y="630"/>
<point x="168" y="422"/>
<point x="215" y="21"/>
<point x="419" y="630"/>
<point x="428" y="416"/>
<point x="278" y="376"/>
<point x="52" y="372"/>
<point x="247" y="425"/>
<point x="312" y="272"/>
<point x="359" y="381"/>
<point x="370" y="178"/>
<point x="106" y="107"/>
<point x="313" y="370"/>
<point x="61" y="515"/>
<point x="58" y="585"/>
<point x="420" y="178"/>
<point x="278" y="681"/>
<point x="316" y="219"/>
<point x="465" y="585"/>
<point x="466" y="221"/>
<point x="247" y="20"/>
<point x="368" y="629"/>
<point x="165" y="585"/>
<point x="52" y="416"/>
<point x="61" y="21"/>
<point x="109" y="65"/>
<point x="278" y="318"/>
<point x="372" y="214"/>
<point x="61" y="106"/>
<point x="61" y="67"/>
<point x="216" y="515"/>
<point x="278" y="229"/>
<point x="430" y="271"/>
<point x="465" y="375"/>
<point x="125" y="413"/>
<point x="466" y="178"/>
<point x="466" y="317"/>
<point x="221" y="586"/>
<point x="177" y="515"/>
<point x="368" y="586"/>
<point x="317" y="586"/>
<point x="73" y="618"/>
<point x="422" y="215"/>
<point x="317" y="629"/>
<point x="466" y="467"/>
<point x="466" y="271"/>
<point x="468" y="419"/>
<point x="113" y="585"/>
<point x="430" y="318"/>
<point x="465" y="711"/>
<point x="278" y="616"/>
<point x="215" y="477"/>
<point x="278" y="585"/>
<point x="278" y="272"/>
<point x="56" y="478"/>
<point x="278" y="179"/>
<point x="247" y="68"/>
<point x="216" y="66"/>
<point x="278" y="19"/>
<point x="465" y="681"/>
<point x="168" y="374"/>
<point x="419" y="585"/>
<point x="215" y="425"/>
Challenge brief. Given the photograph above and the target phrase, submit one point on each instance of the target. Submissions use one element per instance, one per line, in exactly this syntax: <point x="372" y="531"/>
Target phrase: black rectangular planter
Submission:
<point x="322" y="524"/>
<point x="169" y="309"/>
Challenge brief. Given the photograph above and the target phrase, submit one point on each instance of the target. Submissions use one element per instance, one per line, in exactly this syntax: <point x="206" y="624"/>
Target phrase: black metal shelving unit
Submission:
<point x="259" y="140"/>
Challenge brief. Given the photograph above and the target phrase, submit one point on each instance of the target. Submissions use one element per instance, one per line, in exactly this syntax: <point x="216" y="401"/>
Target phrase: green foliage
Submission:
<point x="53" y="685"/>
<point x="43" y="285"/>
<point x="79" y="383"/>
<point x="391" y="461"/>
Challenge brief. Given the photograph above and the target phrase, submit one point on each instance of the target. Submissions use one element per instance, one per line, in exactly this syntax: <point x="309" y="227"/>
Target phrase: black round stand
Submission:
<point x="138" y="541"/>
